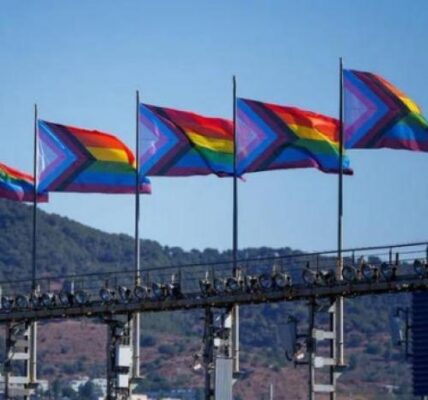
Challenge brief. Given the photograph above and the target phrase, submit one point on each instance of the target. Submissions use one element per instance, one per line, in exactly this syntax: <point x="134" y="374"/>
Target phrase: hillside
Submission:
<point x="170" y="339"/>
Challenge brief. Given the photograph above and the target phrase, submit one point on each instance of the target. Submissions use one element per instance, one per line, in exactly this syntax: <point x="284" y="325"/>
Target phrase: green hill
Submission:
<point x="67" y="247"/>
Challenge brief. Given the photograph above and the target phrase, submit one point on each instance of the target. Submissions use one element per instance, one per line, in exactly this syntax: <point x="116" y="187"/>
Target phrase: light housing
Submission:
<point x="47" y="300"/>
<point x="326" y="277"/>
<point x="349" y="274"/>
<point x="281" y="280"/>
<point x="158" y="290"/>
<point x="174" y="290"/>
<point x="6" y="303"/>
<point x="65" y="298"/>
<point x="369" y="272"/>
<point x="388" y="271"/>
<point x="265" y="281"/>
<point x="21" y="301"/>
<point x="205" y="286"/>
<point x="233" y="284"/>
<point x="125" y="294"/>
<point x="420" y="268"/>
<point x="35" y="300"/>
<point x="252" y="283"/>
<point x="309" y="277"/>
<point x="219" y="285"/>
<point x="141" y="292"/>
<point x="107" y="295"/>
<point x="81" y="297"/>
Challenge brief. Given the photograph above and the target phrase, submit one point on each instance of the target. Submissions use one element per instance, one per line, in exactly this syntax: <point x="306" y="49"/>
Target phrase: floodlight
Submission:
<point x="349" y="273"/>
<point x="309" y="277"/>
<point x="141" y="292"/>
<point x="205" y="286"/>
<point x="65" y="298"/>
<point x="326" y="277"/>
<point x="47" y="300"/>
<point x="265" y="281"/>
<point x="252" y="283"/>
<point x="420" y="268"/>
<point x="6" y="303"/>
<point x="125" y="294"/>
<point x="369" y="272"/>
<point x="158" y="290"/>
<point x="106" y="295"/>
<point x="388" y="271"/>
<point x="174" y="289"/>
<point x="21" y="301"/>
<point x="219" y="285"/>
<point x="281" y="280"/>
<point x="35" y="300"/>
<point x="81" y="297"/>
<point x="233" y="284"/>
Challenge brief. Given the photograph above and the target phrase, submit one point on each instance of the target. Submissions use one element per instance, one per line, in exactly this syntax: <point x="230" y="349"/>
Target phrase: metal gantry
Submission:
<point x="115" y="298"/>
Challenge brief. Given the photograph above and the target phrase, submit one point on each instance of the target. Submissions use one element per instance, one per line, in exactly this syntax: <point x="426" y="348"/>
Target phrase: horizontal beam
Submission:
<point x="197" y="300"/>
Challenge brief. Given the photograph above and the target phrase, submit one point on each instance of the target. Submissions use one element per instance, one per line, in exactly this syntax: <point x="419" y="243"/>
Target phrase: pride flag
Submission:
<point x="272" y="137"/>
<point x="179" y="143"/>
<point x="377" y="114"/>
<point x="17" y="185"/>
<point x="79" y="160"/>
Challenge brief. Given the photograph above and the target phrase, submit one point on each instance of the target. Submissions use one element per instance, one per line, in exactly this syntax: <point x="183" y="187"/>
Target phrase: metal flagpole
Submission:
<point x="235" y="310"/>
<point x="33" y="327"/>
<point x="136" y="317"/>
<point x="339" y="304"/>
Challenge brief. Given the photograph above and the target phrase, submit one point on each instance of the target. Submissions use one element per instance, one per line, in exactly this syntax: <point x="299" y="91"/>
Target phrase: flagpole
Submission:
<point x="33" y="326"/>
<point x="235" y="310"/>
<point x="136" y="317"/>
<point x="339" y="313"/>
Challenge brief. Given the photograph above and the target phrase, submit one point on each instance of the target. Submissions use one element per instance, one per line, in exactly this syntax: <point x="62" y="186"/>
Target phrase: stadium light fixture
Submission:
<point x="125" y="294"/>
<point x="349" y="274"/>
<point x="219" y="285"/>
<point x="369" y="272"/>
<point x="252" y="283"/>
<point x="6" y="303"/>
<point x="35" y="300"/>
<point x="158" y="290"/>
<point x="47" y="300"/>
<point x="233" y="285"/>
<point x="141" y="292"/>
<point x="65" y="298"/>
<point x="107" y="295"/>
<point x="81" y="297"/>
<point x="281" y="280"/>
<point x="21" y="302"/>
<point x="265" y="281"/>
<point x="388" y="271"/>
<point x="420" y="268"/>
<point x="309" y="277"/>
<point x="326" y="277"/>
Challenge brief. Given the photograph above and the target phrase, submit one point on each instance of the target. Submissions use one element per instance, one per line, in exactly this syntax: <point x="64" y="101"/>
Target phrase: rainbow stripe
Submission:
<point x="377" y="115"/>
<point x="80" y="160"/>
<point x="272" y="137"/>
<point x="180" y="143"/>
<point x="18" y="186"/>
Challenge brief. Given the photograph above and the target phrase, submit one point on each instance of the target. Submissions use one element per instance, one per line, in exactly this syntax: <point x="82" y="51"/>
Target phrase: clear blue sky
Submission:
<point x="82" y="61"/>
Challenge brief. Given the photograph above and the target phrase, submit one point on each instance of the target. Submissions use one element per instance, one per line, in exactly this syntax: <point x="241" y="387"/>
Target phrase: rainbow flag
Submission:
<point x="179" y="143"/>
<point x="377" y="114"/>
<point x="272" y="137"/>
<point x="79" y="160"/>
<point x="17" y="185"/>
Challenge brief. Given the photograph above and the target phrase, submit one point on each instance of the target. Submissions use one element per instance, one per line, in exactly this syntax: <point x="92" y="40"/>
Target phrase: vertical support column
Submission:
<point x="119" y="357"/>
<point x="311" y="350"/>
<point x="208" y="355"/>
<point x="18" y="346"/>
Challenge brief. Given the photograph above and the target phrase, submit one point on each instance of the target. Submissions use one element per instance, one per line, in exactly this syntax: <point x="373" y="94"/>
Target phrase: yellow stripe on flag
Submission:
<point x="309" y="133"/>
<point x="113" y="155"/>
<point x="214" y="144"/>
